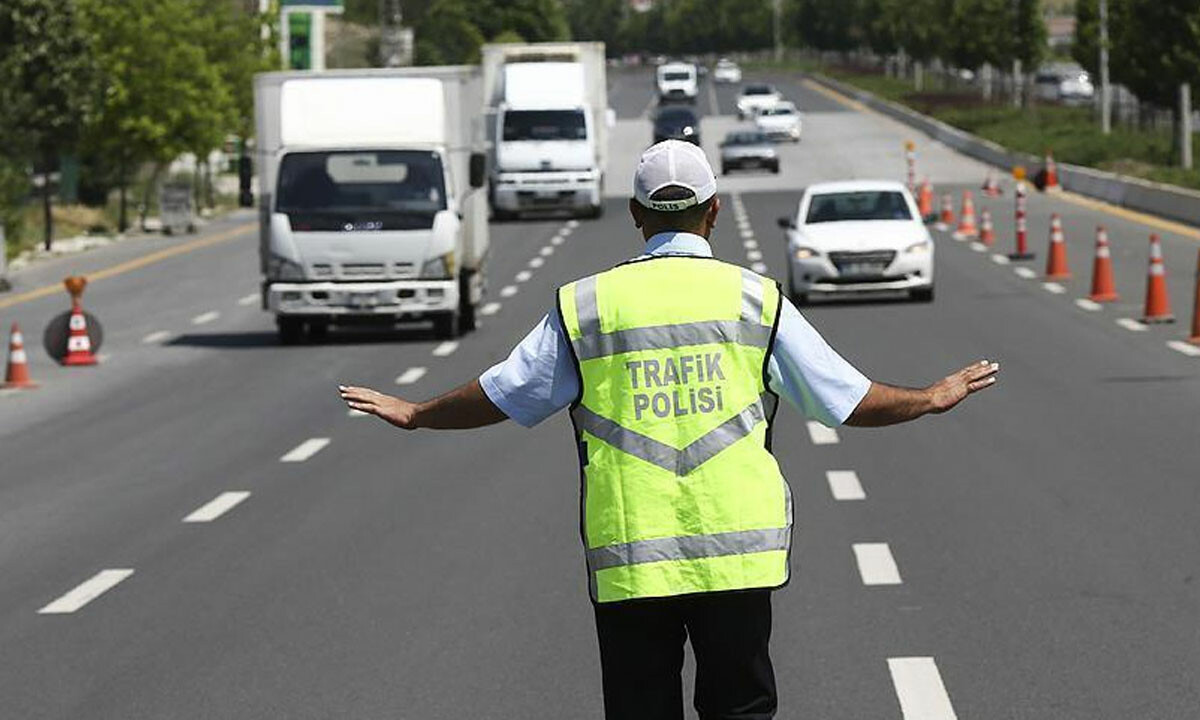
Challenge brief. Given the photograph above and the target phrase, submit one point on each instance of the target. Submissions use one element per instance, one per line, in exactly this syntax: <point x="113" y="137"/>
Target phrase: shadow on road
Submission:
<point x="336" y="336"/>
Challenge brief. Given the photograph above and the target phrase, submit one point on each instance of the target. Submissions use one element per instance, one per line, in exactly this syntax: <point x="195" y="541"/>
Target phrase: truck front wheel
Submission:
<point x="466" y="308"/>
<point x="448" y="325"/>
<point x="291" y="330"/>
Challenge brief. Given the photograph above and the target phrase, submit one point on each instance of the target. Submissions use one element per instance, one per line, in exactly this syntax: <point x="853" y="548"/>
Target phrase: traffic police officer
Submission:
<point x="672" y="364"/>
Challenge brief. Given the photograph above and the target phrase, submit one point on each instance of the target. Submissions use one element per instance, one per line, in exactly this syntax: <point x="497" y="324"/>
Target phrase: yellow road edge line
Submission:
<point x="129" y="265"/>
<point x="1135" y="216"/>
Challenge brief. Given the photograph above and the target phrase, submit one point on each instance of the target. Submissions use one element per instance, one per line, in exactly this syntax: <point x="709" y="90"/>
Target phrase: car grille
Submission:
<point x="859" y="264"/>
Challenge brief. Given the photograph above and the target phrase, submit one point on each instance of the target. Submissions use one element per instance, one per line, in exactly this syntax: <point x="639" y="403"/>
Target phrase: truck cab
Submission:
<point x="677" y="81"/>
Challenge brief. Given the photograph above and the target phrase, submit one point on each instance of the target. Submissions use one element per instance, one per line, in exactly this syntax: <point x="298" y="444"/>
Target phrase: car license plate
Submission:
<point x="362" y="300"/>
<point x="861" y="269"/>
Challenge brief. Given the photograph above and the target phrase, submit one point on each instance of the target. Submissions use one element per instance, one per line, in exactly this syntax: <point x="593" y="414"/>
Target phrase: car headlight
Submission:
<point x="439" y="268"/>
<point x="280" y="268"/>
<point x="919" y="248"/>
<point x="689" y="131"/>
<point x="804" y="253"/>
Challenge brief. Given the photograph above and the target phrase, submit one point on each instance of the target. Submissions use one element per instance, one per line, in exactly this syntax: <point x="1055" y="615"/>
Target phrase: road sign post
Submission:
<point x="302" y="32"/>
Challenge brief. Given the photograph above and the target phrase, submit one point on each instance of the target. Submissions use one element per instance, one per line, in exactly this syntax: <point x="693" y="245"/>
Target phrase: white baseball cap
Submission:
<point x="673" y="163"/>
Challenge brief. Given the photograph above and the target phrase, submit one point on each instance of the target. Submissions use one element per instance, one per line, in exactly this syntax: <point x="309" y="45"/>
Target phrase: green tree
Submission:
<point x="1086" y="47"/>
<point x="1029" y="33"/>
<point x="447" y="35"/>
<point x="46" y="73"/>
<point x="598" y="20"/>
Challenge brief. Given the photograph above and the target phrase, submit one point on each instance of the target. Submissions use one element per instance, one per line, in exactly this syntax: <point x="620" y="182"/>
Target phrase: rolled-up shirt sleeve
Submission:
<point x="806" y="371"/>
<point x="537" y="379"/>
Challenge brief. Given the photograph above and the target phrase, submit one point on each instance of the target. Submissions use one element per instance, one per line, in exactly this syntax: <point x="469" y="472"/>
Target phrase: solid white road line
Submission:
<point x="217" y="507"/>
<point x="411" y="375"/>
<point x="821" y="435"/>
<point x="759" y="268"/>
<point x="754" y="255"/>
<point x="1053" y="287"/>
<point x="844" y="485"/>
<point x="508" y="291"/>
<point x="248" y="299"/>
<point x="305" y="450"/>
<point x="1131" y="324"/>
<point x="524" y="275"/>
<point x="547" y="251"/>
<point x="86" y="591"/>
<point x="156" y="337"/>
<point x="1184" y="347"/>
<point x="1087" y="304"/>
<point x="490" y="309"/>
<point x="920" y="689"/>
<point x="207" y="317"/>
<point x="1000" y="259"/>
<point x="876" y="564"/>
<point x="446" y="348"/>
<point x="536" y="262"/>
<point x="1025" y="272"/>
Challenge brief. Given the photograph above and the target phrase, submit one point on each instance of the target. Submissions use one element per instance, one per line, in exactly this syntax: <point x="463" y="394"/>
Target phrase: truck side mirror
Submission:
<point x="786" y="223"/>
<point x="478" y="170"/>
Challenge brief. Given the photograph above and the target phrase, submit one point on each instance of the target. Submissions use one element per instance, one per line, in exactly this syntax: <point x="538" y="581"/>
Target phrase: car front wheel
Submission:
<point x="923" y="295"/>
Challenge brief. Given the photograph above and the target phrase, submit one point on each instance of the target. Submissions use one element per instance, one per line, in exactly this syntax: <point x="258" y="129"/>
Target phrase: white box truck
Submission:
<point x="548" y="121"/>
<point x="372" y="203"/>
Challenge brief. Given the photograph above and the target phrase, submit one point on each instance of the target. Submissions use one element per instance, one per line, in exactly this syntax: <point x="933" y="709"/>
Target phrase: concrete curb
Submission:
<point x="1168" y="201"/>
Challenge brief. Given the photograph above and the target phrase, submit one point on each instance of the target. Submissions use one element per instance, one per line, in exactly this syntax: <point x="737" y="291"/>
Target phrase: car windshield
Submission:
<point x="677" y="75"/>
<point x="780" y="110"/>
<point x="863" y="205"/>
<point x="380" y="189"/>
<point x="746" y="138"/>
<point x="757" y="90"/>
<point x="545" y="125"/>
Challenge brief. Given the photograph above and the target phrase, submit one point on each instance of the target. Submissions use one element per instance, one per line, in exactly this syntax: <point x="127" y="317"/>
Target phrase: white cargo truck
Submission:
<point x="548" y="119"/>
<point x="372" y="203"/>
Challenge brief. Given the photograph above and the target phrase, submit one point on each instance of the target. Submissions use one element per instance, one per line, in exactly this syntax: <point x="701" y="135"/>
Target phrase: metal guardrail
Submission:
<point x="1167" y="201"/>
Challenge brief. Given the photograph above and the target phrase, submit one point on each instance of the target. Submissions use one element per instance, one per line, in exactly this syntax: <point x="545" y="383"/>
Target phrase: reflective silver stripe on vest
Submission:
<point x="592" y="344"/>
<point x="586" y="311"/>
<point x="680" y="462"/>
<point x="661" y="337"/>
<point x="689" y="547"/>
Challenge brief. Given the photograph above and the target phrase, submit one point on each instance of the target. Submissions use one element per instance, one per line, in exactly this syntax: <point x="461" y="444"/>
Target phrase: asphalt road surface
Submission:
<point x="1032" y="555"/>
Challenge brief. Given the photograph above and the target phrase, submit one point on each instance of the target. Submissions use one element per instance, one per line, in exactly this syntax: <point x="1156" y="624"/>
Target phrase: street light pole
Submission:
<point x="1105" y="86"/>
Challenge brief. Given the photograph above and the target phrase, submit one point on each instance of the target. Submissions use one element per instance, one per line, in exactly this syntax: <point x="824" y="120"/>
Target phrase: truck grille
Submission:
<point x="362" y="269"/>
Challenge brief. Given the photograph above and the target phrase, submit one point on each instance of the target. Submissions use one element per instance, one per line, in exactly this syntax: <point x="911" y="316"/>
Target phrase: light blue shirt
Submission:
<point x="539" y="377"/>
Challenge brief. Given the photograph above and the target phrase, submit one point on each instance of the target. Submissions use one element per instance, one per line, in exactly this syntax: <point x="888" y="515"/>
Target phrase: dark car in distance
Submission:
<point x="677" y="123"/>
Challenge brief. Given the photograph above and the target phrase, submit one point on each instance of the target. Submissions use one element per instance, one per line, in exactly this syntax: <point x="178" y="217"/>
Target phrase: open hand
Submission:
<point x="398" y="412"/>
<point x="954" y="388"/>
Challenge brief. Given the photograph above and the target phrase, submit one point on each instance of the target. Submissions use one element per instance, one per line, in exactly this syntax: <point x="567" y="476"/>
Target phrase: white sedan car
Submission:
<point x="857" y="237"/>
<point x="755" y="98"/>
<point x="781" y="122"/>
<point x="727" y="71"/>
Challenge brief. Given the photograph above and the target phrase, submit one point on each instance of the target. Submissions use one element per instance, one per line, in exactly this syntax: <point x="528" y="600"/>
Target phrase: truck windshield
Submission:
<point x="361" y="189"/>
<point x="677" y="75"/>
<point x="866" y="205"/>
<point x="545" y="125"/>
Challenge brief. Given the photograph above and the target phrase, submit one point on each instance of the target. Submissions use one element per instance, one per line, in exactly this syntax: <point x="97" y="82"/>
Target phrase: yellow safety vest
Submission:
<point x="680" y="491"/>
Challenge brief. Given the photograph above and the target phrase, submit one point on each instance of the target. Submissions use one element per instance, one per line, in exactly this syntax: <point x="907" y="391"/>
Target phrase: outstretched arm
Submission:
<point x="460" y="409"/>
<point x="889" y="405"/>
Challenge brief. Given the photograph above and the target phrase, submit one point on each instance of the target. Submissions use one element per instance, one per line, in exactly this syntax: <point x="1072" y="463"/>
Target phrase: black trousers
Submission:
<point x="641" y="656"/>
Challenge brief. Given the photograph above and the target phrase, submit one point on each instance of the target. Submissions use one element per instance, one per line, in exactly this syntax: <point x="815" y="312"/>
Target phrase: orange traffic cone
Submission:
<point x="1056" y="259"/>
<point x="1051" y="173"/>
<point x="925" y="201"/>
<point x="966" y="222"/>
<point x="991" y="186"/>
<point x="947" y="220"/>
<point x="1103" y="287"/>
<point x="79" y="345"/>
<point x="17" y="374"/>
<point x="987" y="232"/>
<point x="1195" y="337"/>
<point x="1158" y="304"/>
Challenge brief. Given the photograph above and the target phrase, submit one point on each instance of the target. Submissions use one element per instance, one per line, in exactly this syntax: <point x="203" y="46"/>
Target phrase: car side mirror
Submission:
<point x="786" y="223"/>
<point x="477" y="174"/>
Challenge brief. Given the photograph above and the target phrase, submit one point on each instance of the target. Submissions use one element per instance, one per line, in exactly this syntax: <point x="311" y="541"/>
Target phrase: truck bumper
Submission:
<point x="397" y="299"/>
<point x="519" y="192"/>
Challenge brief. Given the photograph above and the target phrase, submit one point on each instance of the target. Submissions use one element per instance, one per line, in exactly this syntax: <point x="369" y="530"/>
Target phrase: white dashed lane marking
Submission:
<point x="557" y="240"/>
<point x="86" y="591"/>
<point x="821" y="435"/>
<point x="1024" y="272"/>
<point x="1000" y="259"/>
<point x="754" y="255"/>
<point x="1054" y="288"/>
<point x="508" y="291"/>
<point x="876" y="564"/>
<point x="979" y="247"/>
<point x="572" y="224"/>
<point x="446" y="348"/>
<point x="1087" y="304"/>
<point x="305" y="450"/>
<point x="920" y="689"/>
<point x="490" y="309"/>
<point x="217" y="507"/>
<point x="536" y="262"/>
<point x="411" y="375"/>
<point x="844" y="485"/>
<point x="759" y="268"/>
<point x="248" y="299"/>
<point x="204" y="318"/>
<point x="1131" y="324"/>
<point x="750" y="244"/>
<point x="524" y="275"/>
<point x="156" y="337"/>
<point x="746" y="233"/>
<point x="356" y="413"/>
<point x="1184" y="347"/>
<point x="546" y="251"/>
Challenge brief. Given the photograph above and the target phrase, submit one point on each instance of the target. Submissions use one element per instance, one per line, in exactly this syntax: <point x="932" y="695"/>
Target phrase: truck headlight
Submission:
<point x="919" y="248"/>
<point x="280" y="268"/>
<point x="804" y="253"/>
<point x="439" y="268"/>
